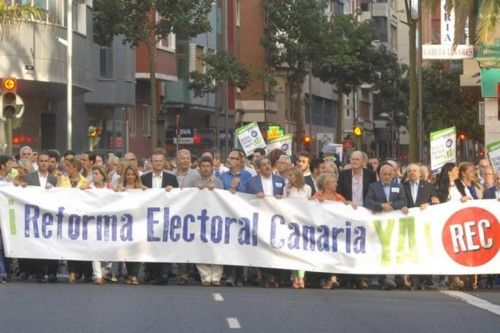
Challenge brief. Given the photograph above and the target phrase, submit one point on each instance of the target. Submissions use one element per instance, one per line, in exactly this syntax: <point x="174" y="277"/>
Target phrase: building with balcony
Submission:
<point x="34" y="52"/>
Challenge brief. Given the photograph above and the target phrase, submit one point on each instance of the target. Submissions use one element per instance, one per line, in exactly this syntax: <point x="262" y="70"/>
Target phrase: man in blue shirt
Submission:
<point x="235" y="180"/>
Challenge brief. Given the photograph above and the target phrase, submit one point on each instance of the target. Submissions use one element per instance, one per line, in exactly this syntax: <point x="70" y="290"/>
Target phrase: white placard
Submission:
<point x="443" y="147"/>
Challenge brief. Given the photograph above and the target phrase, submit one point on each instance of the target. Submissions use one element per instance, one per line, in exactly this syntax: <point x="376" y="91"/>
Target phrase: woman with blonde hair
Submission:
<point x="75" y="179"/>
<point x="130" y="180"/>
<point x="297" y="188"/>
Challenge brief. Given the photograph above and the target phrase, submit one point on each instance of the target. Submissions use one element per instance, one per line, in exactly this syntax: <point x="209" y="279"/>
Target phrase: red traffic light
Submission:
<point x="462" y="136"/>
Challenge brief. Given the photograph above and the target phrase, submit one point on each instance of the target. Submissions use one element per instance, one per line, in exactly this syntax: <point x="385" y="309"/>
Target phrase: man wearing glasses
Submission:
<point x="235" y="180"/>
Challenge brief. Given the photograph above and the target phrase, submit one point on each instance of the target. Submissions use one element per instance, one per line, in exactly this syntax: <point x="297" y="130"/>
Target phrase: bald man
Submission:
<point x="353" y="183"/>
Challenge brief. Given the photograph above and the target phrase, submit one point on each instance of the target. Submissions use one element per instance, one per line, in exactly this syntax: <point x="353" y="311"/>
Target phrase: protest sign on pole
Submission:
<point x="494" y="154"/>
<point x="250" y="137"/>
<point x="283" y="143"/>
<point x="443" y="147"/>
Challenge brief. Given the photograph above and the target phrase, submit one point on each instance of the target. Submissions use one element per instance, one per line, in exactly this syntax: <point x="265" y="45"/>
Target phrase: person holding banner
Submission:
<point x="100" y="181"/>
<point x="6" y="163"/>
<point x="297" y="188"/>
<point x="158" y="178"/>
<point x="419" y="193"/>
<point x="386" y="195"/>
<point x="262" y="185"/>
<point x="210" y="274"/>
<point x="235" y="180"/>
<point x="75" y="179"/>
<point x="131" y="181"/>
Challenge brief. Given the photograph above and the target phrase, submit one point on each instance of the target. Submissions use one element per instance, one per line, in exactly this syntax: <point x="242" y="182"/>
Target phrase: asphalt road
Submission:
<point x="30" y="307"/>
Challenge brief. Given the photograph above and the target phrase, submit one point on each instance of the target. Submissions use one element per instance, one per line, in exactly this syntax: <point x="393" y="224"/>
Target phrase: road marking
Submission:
<point x="233" y="323"/>
<point x="475" y="301"/>
<point x="218" y="297"/>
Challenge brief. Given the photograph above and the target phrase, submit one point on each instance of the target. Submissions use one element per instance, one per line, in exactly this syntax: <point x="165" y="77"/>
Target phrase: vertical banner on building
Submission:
<point x="494" y="154"/>
<point x="283" y="143"/>
<point x="447" y="24"/>
<point x="443" y="147"/>
<point x="250" y="137"/>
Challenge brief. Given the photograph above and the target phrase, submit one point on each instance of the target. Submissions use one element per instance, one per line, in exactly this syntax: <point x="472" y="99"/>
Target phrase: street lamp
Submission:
<point x="384" y="115"/>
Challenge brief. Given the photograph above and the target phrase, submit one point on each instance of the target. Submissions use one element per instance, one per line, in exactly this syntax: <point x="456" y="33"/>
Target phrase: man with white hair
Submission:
<point x="494" y="192"/>
<point x="27" y="153"/>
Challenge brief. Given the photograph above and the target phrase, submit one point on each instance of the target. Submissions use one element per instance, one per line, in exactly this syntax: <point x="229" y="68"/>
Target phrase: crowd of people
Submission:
<point x="361" y="181"/>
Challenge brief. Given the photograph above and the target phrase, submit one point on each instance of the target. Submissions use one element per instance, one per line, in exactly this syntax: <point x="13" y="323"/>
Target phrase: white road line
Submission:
<point x="218" y="297"/>
<point x="233" y="323"/>
<point x="475" y="301"/>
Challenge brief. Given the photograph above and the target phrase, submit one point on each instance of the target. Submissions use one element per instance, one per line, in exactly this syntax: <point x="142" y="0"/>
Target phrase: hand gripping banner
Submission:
<point x="217" y="227"/>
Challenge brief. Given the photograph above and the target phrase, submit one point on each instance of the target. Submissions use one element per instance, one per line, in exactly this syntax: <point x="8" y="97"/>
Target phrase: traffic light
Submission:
<point x="11" y="104"/>
<point x="8" y="105"/>
<point x="357" y="131"/>
<point x="307" y="142"/>
<point x="462" y="136"/>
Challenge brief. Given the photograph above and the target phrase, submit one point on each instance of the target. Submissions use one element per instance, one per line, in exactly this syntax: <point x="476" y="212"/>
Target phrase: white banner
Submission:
<point x="217" y="227"/>
<point x="443" y="147"/>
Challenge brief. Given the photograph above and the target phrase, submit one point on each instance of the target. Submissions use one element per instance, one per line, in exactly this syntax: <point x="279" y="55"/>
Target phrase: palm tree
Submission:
<point x="482" y="14"/>
<point x="12" y="14"/>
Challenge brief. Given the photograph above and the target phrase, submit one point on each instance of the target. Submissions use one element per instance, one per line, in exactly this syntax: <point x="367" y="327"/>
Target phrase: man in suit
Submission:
<point x="266" y="183"/>
<point x="353" y="183"/>
<point x="158" y="178"/>
<point x="316" y="167"/>
<point x="419" y="193"/>
<point x="45" y="180"/>
<point x="386" y="195"/>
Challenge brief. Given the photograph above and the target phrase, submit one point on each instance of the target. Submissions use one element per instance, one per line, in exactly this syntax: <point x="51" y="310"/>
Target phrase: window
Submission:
<point x="132" y="121"/>
<point x="105" y="62"/>
<point x="199" y="63"/>
<point x="237" y="13"/>
<point x="167" y="43"/>
<point x="146" y="120"/>
<point x="380" y="25"/>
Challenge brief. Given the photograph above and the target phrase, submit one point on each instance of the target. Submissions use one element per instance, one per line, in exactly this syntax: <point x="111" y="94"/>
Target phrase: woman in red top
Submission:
<point x="327" y="190"/>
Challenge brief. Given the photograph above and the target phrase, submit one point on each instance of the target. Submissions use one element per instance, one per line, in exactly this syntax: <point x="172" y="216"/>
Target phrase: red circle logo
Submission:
<point x="471" y="236"/>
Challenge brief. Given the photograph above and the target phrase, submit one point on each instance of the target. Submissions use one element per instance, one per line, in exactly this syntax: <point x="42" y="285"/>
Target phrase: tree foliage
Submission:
<point x="347" y="57"/>
<point x="221" y="67"/>
<point x="292" y="36"/>
<point x="448" y="104"/>
<point x="135" y="20"/>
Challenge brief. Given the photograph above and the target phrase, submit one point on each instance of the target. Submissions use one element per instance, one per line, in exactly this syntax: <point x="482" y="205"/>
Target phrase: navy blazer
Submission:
<point x="490" y="193"/>
<point x="376" y="196"/>
<point x="278" y="185"/>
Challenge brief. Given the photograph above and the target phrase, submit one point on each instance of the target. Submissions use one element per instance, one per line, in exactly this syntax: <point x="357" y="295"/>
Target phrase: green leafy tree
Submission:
<point x="221" y="67"/>
<point x="292" y="36"/>
<point x="448" y="104"/>
<point x="347" y="57"/>
<point x="148" y="22"/>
